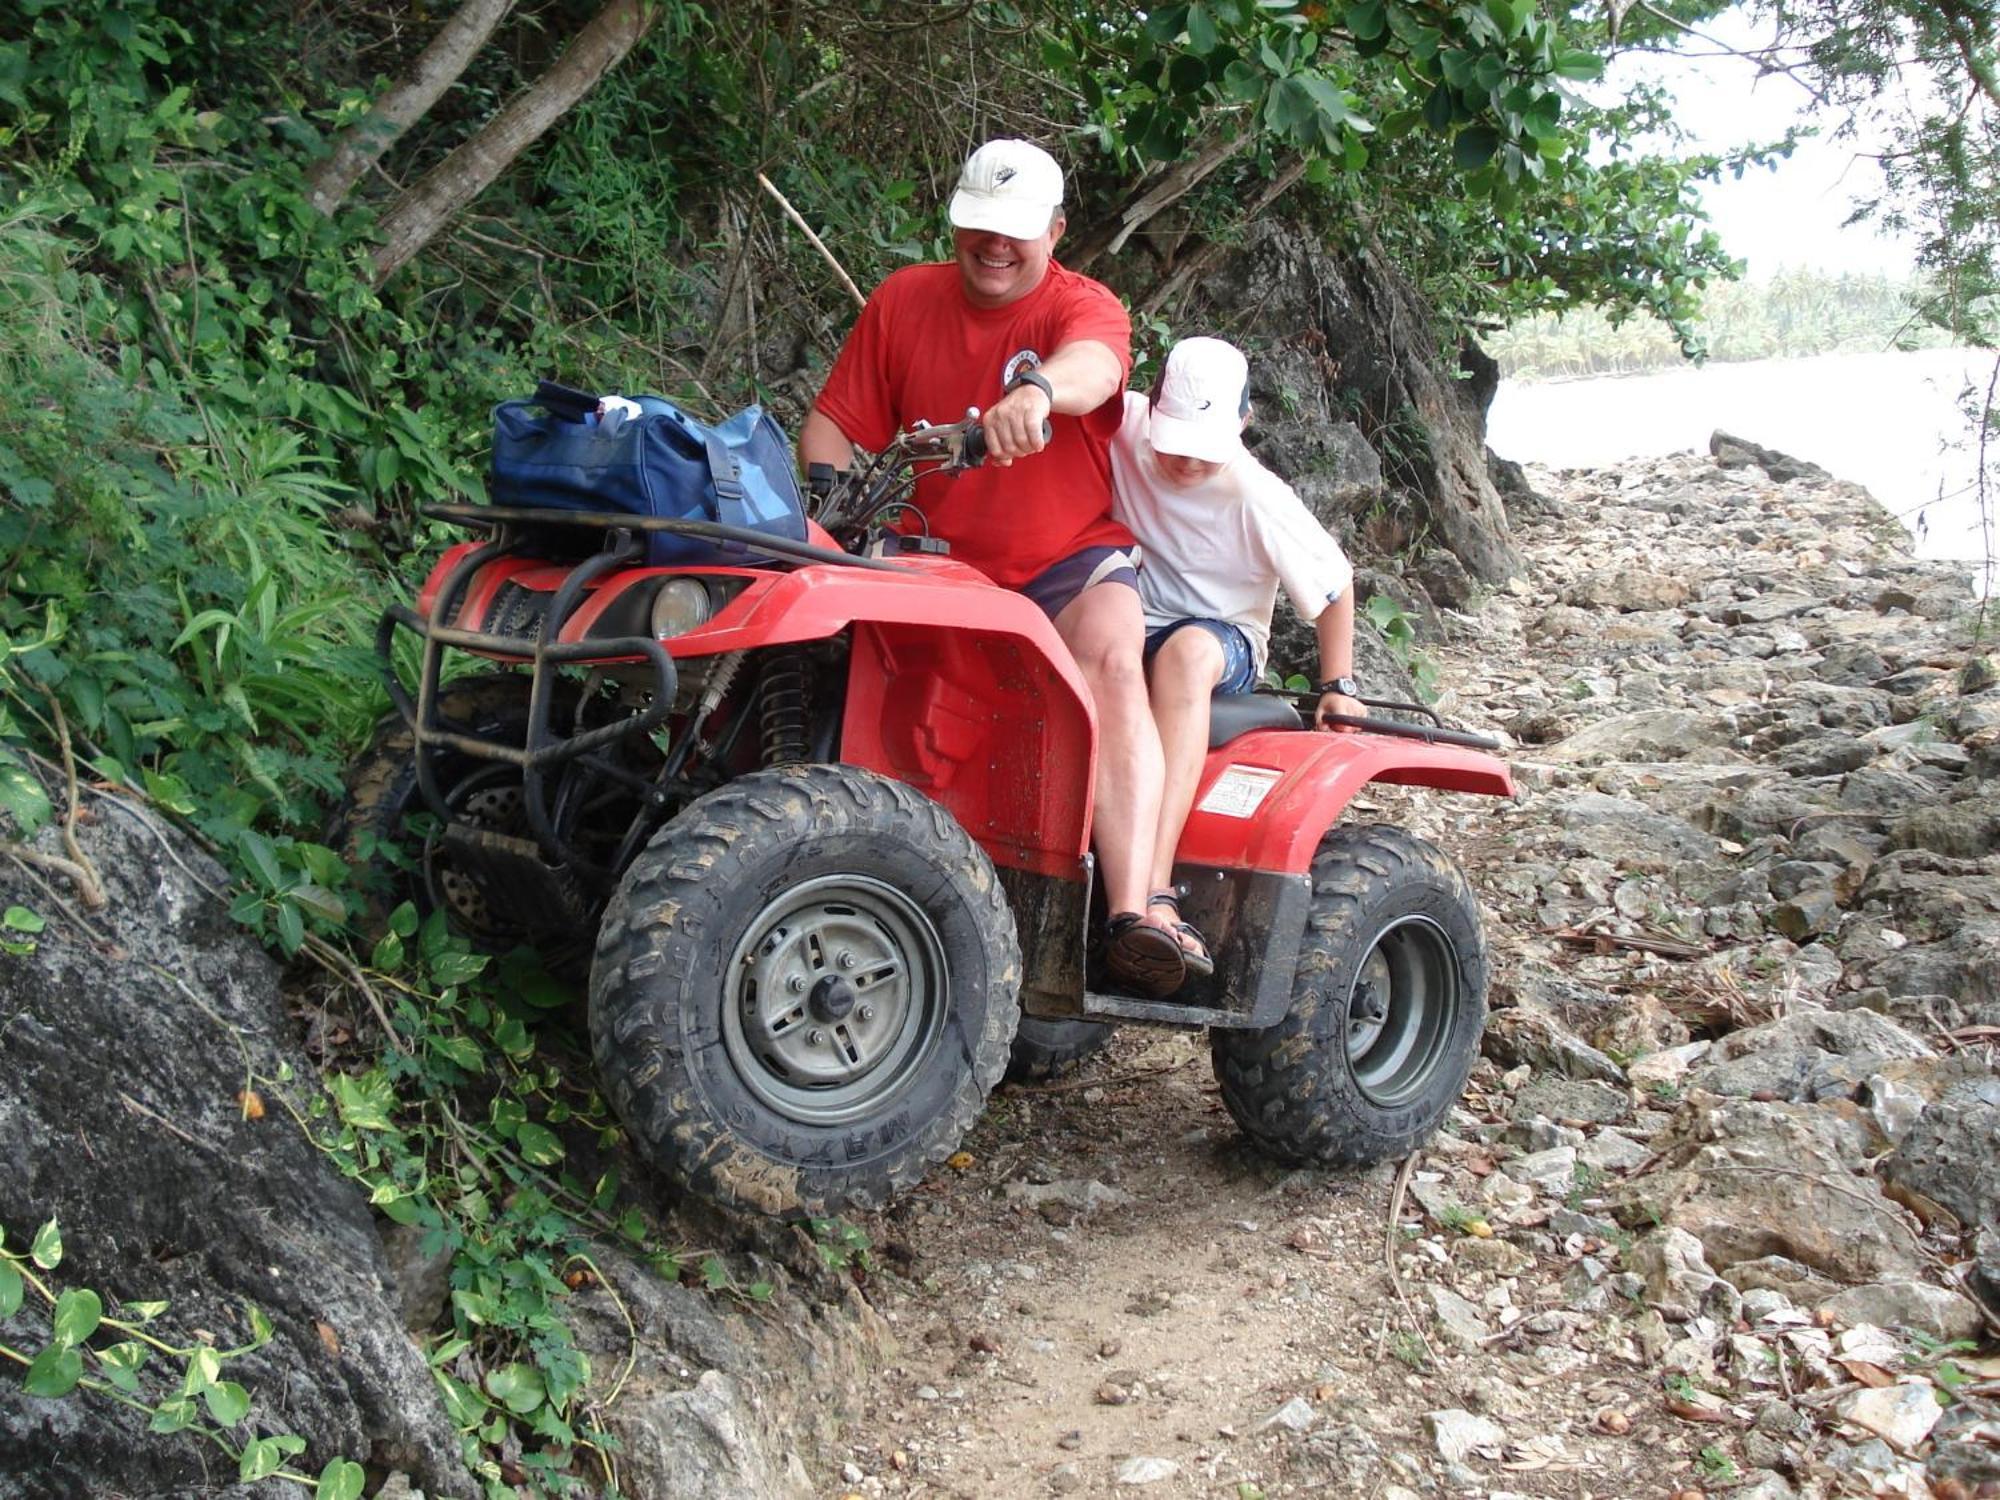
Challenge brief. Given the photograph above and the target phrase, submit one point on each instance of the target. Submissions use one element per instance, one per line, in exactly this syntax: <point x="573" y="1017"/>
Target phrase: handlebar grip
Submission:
<point x="563" y="399"/>
<point x="972" y="450"/>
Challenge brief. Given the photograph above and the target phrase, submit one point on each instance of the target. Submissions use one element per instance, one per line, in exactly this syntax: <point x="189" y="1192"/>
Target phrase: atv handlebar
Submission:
<point x="861" y="496"/>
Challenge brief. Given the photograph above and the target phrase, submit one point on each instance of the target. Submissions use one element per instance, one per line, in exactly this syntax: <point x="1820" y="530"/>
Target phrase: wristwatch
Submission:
<point x="1347" y="687"/>
<point x="1036" y="379"/>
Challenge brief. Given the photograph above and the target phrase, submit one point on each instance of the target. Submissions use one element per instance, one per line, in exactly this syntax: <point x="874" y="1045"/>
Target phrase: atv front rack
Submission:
<point x="542" y="749"/>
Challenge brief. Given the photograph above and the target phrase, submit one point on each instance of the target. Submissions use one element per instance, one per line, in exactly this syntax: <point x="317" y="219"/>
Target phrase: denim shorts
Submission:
<point x="1057" y="585"/>
<point x="1239" y="663"/>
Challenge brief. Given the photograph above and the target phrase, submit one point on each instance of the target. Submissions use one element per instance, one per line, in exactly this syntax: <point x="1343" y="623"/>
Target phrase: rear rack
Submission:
<point x="1437" y="732"/>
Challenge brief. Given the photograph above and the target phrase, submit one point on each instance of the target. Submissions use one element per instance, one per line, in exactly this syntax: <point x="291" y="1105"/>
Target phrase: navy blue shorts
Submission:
<point x="1239" y="662"/>
<point x="1059" y="583"/>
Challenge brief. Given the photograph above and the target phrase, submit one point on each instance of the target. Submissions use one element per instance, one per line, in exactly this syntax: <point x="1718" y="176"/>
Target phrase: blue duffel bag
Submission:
<point x="550" y="454"/>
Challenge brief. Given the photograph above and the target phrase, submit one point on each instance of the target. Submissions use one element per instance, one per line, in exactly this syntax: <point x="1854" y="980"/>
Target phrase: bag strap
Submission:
<point x="722" y="473"/>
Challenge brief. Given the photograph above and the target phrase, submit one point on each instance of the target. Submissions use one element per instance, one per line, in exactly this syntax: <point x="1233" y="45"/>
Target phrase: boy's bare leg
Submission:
<point x="1106" y="633"/>
<point x="1185" y="671"/>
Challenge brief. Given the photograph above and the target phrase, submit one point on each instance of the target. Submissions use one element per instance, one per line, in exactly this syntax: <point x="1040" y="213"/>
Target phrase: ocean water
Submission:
<point x="1890" y="422"/>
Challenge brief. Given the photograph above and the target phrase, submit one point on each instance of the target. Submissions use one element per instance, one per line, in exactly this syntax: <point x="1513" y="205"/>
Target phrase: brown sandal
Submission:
<point x="1144" y="957"/>
<point x="1197" y="960"/>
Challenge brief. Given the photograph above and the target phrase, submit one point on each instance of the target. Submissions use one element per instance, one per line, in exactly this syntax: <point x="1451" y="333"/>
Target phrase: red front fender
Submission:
<point x="1266" y="797"/>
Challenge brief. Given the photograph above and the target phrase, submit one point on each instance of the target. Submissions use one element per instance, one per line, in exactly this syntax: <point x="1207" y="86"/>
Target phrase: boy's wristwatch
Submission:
<point x="1347" y="687"/>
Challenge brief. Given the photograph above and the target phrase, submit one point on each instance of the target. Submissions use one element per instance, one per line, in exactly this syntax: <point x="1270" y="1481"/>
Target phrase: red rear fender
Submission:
<point x="1265" y="798"/>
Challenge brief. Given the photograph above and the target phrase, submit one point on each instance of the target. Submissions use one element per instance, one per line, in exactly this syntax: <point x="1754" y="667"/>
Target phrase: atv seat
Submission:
<point x="1232" y="714"/>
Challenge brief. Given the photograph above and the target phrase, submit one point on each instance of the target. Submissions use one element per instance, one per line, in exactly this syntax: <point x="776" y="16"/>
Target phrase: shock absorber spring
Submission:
<point x="784" y="715"/>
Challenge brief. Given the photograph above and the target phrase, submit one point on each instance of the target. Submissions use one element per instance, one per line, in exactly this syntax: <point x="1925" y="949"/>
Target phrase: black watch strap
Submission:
<point x="1347" y="687"/>
<point x="1036" y="379"/>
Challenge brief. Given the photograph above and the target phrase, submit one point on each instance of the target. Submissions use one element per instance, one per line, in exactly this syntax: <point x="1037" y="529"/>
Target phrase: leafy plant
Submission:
<point x="1715" y="1465"/>
<point x="178" y="1387"/>
<point x="1399" y="633"/>
<point x="18" y="928"/>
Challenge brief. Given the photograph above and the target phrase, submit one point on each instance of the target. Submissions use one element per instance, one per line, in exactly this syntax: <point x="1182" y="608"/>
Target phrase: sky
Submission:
<point x="1790" y="216"/>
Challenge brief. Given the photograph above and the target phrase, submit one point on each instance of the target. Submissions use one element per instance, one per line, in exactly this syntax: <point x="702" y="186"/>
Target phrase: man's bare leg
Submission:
<point x="1106" y="633"/>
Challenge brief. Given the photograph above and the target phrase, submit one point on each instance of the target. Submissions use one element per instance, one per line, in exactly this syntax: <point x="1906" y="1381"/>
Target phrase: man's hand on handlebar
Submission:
<point x="1016" y="425"/>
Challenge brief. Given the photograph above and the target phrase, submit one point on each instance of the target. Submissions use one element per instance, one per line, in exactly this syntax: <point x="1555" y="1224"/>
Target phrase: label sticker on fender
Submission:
<point x="1238" y="791"/>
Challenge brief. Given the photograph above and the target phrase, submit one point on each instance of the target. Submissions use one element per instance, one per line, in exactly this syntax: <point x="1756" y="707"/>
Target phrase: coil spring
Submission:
<point x="784" y="710"/>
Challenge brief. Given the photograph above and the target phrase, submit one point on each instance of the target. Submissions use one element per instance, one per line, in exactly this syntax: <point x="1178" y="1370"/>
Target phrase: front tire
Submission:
<point x="804" y="990"/>
<point x="1388" y="1005"/>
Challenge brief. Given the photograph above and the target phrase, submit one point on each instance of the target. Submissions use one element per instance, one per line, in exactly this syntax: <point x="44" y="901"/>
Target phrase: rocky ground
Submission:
<point x="1718" y="1208"/>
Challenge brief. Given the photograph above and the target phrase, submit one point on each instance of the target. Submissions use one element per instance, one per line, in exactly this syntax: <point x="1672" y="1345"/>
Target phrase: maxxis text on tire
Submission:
<point x="1387" y="1008"/>
<point x="805" y="987"/>
<point x="1046" y="1049"/>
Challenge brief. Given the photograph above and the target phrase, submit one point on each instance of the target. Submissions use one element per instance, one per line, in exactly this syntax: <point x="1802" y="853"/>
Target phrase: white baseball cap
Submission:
<point x="1008" y="187"/>
<point x="1199" y="404"/>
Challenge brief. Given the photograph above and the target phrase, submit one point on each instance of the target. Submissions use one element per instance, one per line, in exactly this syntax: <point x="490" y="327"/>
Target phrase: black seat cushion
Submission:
<point x="1231" y="714"/>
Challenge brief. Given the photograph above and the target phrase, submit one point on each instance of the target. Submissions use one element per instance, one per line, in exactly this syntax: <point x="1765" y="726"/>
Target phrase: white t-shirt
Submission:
<point x="1218" y="550"/>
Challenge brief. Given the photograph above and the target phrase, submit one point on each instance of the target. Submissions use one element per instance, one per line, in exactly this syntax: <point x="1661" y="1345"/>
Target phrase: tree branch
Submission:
<point x="421" y="212"/>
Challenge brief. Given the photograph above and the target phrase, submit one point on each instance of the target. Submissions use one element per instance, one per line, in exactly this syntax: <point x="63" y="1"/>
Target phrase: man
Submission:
<point x="1004" y="328"/>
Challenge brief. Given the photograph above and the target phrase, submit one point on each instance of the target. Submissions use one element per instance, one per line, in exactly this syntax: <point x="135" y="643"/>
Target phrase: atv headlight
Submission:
<point x="681" y="605"/>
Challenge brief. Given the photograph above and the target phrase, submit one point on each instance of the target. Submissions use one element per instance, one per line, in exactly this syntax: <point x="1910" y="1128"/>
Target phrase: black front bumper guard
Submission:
<point x="543" y="749"/>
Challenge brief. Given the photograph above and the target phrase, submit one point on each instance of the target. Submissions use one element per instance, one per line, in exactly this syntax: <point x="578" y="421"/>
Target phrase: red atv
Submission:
<point x="827" y="816"/>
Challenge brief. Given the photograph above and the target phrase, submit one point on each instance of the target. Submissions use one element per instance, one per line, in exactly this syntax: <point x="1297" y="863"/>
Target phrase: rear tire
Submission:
<point x="1388" y="1005"/>
<point x="1048" y="1049"/>
<point x="805" y="988"/>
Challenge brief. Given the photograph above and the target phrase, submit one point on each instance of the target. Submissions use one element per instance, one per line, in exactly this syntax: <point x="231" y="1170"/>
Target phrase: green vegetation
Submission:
<point x="231" y="377"/>
<point x="178" y="1387"/>
<point x="1792" y="314"/>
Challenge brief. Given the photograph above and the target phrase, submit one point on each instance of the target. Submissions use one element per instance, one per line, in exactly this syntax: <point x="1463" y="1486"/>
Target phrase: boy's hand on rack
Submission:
<point x="1338" y="703"/>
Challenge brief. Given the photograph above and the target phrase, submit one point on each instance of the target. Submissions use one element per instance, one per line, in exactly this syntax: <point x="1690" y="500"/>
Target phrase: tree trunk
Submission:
<point x="421" y="212"/>
<point x="360" y="146"/>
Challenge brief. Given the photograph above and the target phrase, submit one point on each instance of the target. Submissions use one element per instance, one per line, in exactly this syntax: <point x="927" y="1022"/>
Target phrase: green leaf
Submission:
<point x="539" y="1145"/>
<point x="172" y="1416"/>
<point x="54" y="1372"/>
<point x="1202" y="35"/>
<point x="21" y="796"/>
<point x="21" y="919"/>
<point x="403" y="920"/>
<point x="260" y="1326"/>
<point x="227" y="1402"/>
<point x="291" y="928"/>
<point x="47" y="1252"/>
<point x="388" y="954"/>
<point x="78" y="1312"/>
<point x="261" y="857"/>
<point x="10" y="1290"/>
<point x="1366" y="21"/>
<point x="341" y="1479"/>
<point x="320" y="901"/>
<point x="204" y="1368"/>
<point x="364" y="1102"/>
<point x="121" y="1363"/>
<point x="1438" y="108"/>
<point x="144" y="1312"/>
<point x="1474" y="147"/>
<point x="518" y="1387"/>
<point x="263" y="1457"/>
<point x="1579" y="65"/>
<point x="461" y="1051"/>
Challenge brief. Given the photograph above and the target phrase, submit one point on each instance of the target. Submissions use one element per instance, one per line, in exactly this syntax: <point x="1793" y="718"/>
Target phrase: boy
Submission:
<point x="1218" y="533"/>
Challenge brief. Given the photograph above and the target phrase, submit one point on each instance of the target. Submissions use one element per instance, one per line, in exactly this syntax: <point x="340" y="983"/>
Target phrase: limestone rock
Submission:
<point x="176" y="1196"/>
<point x="1809" y="1054"/>
<point x="1933" y="1310"/>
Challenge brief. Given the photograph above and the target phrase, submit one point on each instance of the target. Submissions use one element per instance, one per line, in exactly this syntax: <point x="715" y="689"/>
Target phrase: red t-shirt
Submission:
<point x="920" y="350"/>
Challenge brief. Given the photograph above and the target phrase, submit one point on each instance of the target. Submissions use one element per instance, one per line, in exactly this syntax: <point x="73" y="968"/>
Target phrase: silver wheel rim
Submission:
<point x="1401" y="1011"/>
<point x="834" y="999"/>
